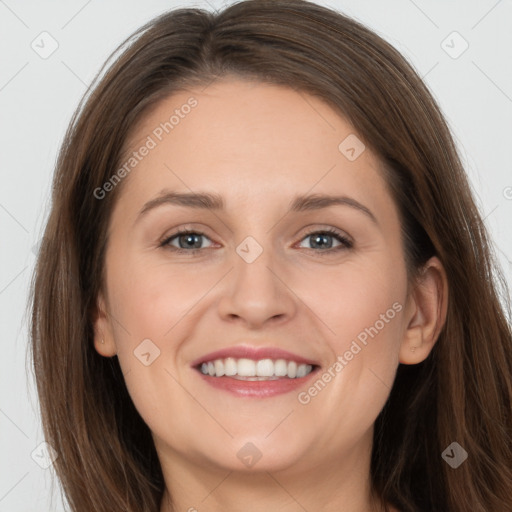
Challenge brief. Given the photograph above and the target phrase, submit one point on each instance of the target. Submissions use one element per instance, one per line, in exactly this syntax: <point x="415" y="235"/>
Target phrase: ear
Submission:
<point x="425" y="313"/>
<point x="103" y="333"/>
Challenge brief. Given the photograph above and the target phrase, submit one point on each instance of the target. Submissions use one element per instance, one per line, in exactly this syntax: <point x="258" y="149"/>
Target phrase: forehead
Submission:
<point x="248" y="139"/>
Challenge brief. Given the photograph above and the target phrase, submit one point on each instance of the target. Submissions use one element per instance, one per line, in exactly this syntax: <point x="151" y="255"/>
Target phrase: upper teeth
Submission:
<point x="250" y="368"/>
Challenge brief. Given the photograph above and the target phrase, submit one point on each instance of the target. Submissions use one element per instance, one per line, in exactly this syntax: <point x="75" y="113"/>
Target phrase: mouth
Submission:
<point x="255" y="372"/>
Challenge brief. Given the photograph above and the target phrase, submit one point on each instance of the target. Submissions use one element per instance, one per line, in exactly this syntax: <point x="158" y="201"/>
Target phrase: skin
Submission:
<point x="258" y="146"/>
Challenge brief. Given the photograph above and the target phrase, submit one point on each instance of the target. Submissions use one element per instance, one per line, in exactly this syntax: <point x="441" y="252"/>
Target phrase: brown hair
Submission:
<point x="461" y="392"/>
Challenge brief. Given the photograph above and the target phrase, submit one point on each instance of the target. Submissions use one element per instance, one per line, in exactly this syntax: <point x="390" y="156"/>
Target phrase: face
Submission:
<point x="272" y="283"/>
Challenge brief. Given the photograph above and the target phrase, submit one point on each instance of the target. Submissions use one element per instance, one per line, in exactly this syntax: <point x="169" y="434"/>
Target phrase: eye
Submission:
<point x="187" y="240"/>
<point x="324" y="240"/>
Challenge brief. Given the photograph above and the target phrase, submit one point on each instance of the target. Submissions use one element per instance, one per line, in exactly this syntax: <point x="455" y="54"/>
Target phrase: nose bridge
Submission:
<point x="254" y="262"/>
<point x="256" y="293"/>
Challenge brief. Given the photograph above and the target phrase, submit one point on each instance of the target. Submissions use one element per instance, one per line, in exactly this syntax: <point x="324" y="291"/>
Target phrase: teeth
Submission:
<point x="248" y="369"/>
<point x="219" y="367"/>
<point x="280" y="368"/>
<point x="301" y="370"/>
<point x="265" y="368"/>
<point x="230" y="366"/>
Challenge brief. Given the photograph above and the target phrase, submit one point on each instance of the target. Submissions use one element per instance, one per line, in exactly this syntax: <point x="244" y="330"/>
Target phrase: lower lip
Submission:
<point x="256" y="388"/>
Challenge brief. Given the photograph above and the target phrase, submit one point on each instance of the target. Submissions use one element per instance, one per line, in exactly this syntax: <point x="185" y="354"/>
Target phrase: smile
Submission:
<point x="260" y="372"/>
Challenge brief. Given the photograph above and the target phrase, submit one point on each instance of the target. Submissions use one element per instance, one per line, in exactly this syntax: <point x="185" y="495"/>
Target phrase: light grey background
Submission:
<point x="38" y="96"/>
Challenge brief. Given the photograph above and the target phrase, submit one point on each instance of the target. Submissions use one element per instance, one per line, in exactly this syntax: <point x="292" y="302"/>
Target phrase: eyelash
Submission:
<point x="345" y="242"/>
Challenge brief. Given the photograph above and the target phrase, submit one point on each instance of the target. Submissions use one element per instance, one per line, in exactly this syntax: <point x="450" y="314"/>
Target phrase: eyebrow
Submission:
<point x="210" y="201"/>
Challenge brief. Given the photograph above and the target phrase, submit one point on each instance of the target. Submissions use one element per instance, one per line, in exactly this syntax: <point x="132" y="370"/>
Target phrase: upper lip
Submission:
<point x="248" y="352"/>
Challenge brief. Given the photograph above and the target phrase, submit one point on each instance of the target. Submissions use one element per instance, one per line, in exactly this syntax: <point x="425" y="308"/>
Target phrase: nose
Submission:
<point x="257" y="293"/>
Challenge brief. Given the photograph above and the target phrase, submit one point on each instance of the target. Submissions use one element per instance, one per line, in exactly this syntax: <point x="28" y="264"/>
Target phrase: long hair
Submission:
<point x="461" y="393"/>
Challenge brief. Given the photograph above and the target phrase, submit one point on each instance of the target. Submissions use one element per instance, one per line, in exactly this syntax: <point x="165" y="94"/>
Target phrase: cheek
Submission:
<point x="355" y="297"/>
<point x="362" y="306"/>
<point x="149" y="300"/>
<point x="366" y="318"/>
<point x="370" y="313"/>
<point x="143" y="307"/>
<point x="147" y="303"/>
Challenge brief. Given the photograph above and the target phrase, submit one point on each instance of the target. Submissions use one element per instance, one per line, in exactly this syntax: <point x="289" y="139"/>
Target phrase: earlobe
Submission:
<point x="103" y="336"/>
<point x="426" y="313"/>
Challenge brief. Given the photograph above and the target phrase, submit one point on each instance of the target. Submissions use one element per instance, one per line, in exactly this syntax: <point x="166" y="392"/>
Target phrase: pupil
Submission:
<point x="190" y="238"/>
<point x="321" y="237"/>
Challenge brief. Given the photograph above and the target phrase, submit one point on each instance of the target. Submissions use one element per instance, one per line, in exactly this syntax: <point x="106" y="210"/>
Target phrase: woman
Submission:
<point x="191" y="353"/>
